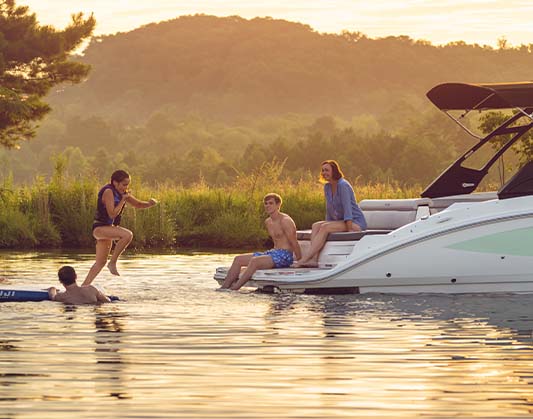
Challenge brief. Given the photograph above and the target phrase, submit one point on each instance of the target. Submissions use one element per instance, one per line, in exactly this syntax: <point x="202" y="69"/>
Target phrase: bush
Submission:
<point x="60" y="213"/>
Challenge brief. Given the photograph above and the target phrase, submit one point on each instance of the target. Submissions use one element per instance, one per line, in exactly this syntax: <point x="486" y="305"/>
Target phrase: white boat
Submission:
<point x="450" y="240"/>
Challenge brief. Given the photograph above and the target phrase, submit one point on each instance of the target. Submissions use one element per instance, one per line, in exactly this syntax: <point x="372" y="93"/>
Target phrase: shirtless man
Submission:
<point x="74" y="294"/>
<point x="282" y="229"/>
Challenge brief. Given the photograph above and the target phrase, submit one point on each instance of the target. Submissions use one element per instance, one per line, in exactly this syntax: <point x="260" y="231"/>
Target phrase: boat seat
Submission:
<point x="382" y="216"/>
<point x="385" y="214"/>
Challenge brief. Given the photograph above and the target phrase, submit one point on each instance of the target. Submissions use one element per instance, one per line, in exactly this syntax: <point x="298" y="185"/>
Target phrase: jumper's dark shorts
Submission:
<point x="282" y="258"/>
<point x="99" y="224"/>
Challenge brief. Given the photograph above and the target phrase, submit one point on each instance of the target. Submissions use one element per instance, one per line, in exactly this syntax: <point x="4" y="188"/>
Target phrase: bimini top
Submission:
<point x="464" y="96"/>
<point x="460" y="178"/>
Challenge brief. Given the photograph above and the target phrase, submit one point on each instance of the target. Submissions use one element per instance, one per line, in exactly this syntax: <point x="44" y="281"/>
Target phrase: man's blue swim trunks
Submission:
<point x="282" y="257"/>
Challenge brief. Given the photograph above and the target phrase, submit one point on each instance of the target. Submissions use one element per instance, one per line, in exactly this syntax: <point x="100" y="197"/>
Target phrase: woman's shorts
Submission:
<point x="282" y="258"/>
<point x="99" y="224"/>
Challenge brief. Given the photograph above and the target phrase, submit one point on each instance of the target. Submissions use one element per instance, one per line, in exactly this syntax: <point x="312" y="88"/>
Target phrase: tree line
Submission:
<point x="202" y="98"/>
<point x="192" y="149"/>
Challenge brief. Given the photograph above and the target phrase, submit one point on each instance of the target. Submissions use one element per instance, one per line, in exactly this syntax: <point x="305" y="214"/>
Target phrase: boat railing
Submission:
<point x="439" y="204"/>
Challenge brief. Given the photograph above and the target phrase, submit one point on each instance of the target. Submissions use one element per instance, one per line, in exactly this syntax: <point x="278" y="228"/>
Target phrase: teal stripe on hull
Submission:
<point x="517" y="242"/>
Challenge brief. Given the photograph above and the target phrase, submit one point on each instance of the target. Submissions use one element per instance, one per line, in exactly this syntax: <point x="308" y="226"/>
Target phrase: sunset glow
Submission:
<point x="440" y="22"/>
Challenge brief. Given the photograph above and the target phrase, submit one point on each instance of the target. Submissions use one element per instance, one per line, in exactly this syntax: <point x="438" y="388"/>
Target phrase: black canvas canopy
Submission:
<point x="460" y="179"/>
<point x="465" y="96"/>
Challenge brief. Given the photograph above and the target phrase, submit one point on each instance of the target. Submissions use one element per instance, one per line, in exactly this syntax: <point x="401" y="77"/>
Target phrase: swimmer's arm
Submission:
<point x="100" y="297"/>
<point x="52" y="293"/>
<point x="56" y="296"/>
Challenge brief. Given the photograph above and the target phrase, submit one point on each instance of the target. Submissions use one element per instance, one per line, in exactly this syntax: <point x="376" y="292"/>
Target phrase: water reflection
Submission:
<point x="459" y="348"/>
<point x="174" y="347"/>
<point x="108" y="339"/>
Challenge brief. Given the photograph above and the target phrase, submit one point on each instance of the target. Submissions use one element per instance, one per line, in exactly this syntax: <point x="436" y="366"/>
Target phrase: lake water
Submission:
<point x="176" y="348"/>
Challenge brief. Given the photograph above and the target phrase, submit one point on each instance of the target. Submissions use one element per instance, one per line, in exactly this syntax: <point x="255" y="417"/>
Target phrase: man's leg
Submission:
<point x="235" y="269"/>
<point x="256" y="262"/>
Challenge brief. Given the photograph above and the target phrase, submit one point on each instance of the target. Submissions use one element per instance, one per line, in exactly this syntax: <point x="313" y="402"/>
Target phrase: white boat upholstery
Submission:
<point x="382" y="216"/>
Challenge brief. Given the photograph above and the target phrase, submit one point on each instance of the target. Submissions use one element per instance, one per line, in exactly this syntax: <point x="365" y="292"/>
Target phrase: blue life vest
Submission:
<point x="101" y="217"/>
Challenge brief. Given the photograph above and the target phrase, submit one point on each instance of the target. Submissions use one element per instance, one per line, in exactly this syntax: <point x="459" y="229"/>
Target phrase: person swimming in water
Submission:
<point x="74" y="294"/>
<point x="112" y="199"/>
<point x="282" y="229"/>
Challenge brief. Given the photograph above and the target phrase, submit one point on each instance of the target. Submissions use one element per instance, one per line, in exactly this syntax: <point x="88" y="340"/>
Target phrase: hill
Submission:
<point x="203" y="98"/>
<point x="230" y="68"/>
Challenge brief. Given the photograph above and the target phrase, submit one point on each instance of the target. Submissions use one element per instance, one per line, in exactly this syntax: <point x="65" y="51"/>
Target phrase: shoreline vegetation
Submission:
<point x="59" y="213"/>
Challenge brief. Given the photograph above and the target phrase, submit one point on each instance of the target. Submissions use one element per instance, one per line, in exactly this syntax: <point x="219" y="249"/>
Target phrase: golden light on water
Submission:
<point x="175" y="345"/>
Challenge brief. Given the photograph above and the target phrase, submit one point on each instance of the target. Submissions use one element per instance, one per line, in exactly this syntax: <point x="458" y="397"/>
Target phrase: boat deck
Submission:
<point x="276" y="275"/>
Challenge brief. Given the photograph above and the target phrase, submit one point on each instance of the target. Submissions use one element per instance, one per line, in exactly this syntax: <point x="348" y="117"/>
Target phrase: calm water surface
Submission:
<point x="174" y="347"/>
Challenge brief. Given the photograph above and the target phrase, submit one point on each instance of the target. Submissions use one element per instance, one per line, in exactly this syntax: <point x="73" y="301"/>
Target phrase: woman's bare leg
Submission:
<point x="108" y="234"/>
<point x="124" y="239"/>
<point x="318" y="242"/>
<point x="103" y="248"/>
<point x="315" y="229"/>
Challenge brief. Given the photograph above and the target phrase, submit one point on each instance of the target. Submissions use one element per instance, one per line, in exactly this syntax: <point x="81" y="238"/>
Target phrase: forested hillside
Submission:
<point x="232" y="67"/>
<point x="202" y="97"/>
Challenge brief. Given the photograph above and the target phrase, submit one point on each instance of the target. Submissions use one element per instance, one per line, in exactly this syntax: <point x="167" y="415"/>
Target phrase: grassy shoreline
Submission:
<point x="59" y="213"/>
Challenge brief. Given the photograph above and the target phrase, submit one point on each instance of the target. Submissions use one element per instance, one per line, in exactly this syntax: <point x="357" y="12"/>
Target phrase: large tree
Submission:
<point x="33" y="59"/>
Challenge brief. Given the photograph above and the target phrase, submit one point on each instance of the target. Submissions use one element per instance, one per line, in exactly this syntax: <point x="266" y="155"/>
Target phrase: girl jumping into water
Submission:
<point x="112" y="199"/>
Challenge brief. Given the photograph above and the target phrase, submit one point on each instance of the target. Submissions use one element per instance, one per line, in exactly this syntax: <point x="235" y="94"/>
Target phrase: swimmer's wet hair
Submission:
<point x="67" y="275"/>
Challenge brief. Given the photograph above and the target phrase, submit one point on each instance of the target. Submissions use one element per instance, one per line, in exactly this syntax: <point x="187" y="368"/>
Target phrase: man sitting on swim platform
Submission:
<point x="74" y="294"/>
<point x="282" y="229"/>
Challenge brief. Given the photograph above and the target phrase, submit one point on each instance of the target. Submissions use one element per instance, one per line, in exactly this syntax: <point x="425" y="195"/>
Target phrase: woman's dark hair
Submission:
<point x="336" y="169"/>
<point x="119" y="176"/>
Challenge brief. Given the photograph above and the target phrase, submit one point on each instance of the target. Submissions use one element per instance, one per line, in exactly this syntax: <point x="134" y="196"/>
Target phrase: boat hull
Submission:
<point x="478" y="248"/>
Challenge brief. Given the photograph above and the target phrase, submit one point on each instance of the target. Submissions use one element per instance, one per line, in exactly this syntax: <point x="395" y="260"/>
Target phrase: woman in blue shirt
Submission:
<point x="342" y="212"/>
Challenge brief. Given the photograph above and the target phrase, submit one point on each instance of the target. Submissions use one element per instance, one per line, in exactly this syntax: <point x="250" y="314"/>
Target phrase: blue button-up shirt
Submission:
<point x="342" y="206"/>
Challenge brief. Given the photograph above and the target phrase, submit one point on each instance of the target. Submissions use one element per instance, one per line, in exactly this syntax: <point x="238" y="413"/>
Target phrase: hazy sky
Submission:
<point x="438" y="21"/>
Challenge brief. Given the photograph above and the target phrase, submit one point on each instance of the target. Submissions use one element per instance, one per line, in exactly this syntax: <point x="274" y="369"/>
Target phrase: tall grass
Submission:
<point x="59" y="213"/>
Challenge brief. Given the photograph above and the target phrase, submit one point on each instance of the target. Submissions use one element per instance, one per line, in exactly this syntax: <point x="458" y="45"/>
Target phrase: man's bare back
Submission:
<point x="75" y="294"/>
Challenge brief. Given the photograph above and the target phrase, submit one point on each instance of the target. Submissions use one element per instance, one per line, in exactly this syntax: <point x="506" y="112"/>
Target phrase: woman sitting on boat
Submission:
<point x="342" y="212"/>
<point x="112" y="199"/>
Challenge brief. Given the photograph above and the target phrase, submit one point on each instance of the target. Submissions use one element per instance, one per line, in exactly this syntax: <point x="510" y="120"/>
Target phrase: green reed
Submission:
<point x="59" y="213"/>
